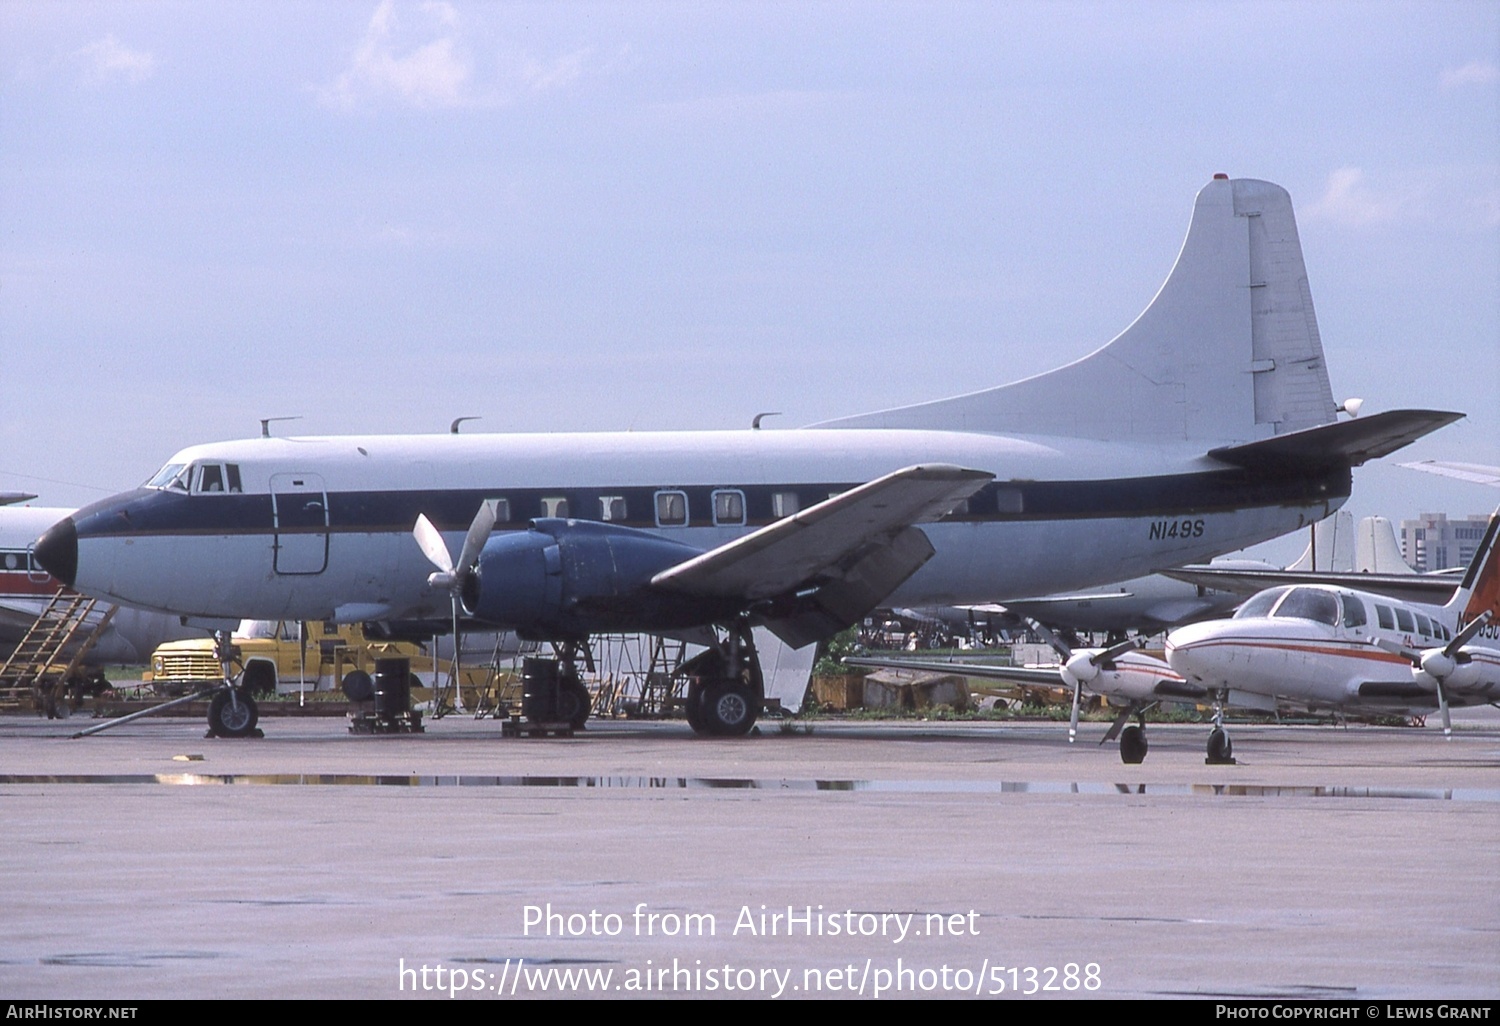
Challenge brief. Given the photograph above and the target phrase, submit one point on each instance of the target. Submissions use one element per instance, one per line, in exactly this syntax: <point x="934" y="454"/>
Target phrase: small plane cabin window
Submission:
<point x="1354" y="612"/>
<point x="1008" y="500"/>
<point x="1309" y="604"/>
<point x="502" y="510"/>
<point x="1260" y="605"/>
<point x="555" y="506"/>
<point x="960" y="508"/>
<point x="729" y="507"/>
<point x="671" y="509"/>
<point x="1424" y="626"/>
<point x="611" y="507"/>
<point x="1404" y="621"/>
<point x="1385" y="618"/>
<point x="784" y="504"/>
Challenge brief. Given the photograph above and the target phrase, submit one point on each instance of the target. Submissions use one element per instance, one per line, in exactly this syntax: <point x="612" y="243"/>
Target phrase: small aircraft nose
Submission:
<point x="57" y="551"/>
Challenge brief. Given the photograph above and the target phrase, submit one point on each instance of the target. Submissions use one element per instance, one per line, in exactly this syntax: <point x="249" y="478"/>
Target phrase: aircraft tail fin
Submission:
<point x="1376" y="550"/>
<point x="1227" y="350"/>
<point x="1480" y="591"/>
<point x="1331" y="547"/>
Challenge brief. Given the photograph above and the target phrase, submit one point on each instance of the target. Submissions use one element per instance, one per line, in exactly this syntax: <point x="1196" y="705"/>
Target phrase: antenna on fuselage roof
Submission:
<point x="453" y="428"/>
<point x="265" y="424"/>
<point x="755" y="424"/>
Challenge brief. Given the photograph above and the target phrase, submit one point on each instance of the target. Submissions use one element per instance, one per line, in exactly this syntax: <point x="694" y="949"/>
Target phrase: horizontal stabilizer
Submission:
<point x="1347" y="442"/>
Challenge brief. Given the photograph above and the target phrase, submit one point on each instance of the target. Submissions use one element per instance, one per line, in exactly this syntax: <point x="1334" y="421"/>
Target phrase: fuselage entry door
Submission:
<point x="299" y="506"/>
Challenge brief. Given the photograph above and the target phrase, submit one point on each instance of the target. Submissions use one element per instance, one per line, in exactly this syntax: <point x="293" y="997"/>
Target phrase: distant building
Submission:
<point x="1433" y="542"/>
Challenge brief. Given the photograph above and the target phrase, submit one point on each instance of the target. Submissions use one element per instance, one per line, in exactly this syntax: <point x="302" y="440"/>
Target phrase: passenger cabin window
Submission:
<point x="1008" y="500"/>
<point x="671" y="509"/>
<point x="1309" y="604"/>
<point x="555" y="506"/>
<point x="960" y="509"/>
<point x="1354" y="612"/>
<point x="1384" y="616"/>
<point x="1260" y="605"/>
<point x="502" y="510"/>
<point x="784" y="504"/>
<point x="1424" y="626"/>
<point x="611" y="507"/>
<point x="1404" y="620"/>
<point x="729" y="507"/>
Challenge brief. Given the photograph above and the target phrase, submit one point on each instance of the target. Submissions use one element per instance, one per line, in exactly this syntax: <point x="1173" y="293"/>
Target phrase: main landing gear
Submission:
<point x="725" y="690"/>
<point x="1133" y="744"/>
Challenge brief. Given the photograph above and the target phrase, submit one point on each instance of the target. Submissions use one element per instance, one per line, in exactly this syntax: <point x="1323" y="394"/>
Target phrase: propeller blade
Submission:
<point x="1396" y="648"/>
<point x="479" y="533"/>
<point x="1466" y="635"/>
<point x="1057" y="643"/>
<point x="1443" y="707"/>
<point x="1109" y="654"/>
<point x="432" y="544"/>
<point x="1073" y="720"/>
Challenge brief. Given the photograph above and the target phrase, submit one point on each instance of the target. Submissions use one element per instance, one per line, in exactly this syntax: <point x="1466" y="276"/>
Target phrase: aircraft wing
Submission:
<point x="839" y="558"/>
<point x="1431" y="589"/>
<point x="1047" y="676"/>
<point x="1350" y="442"/>
<point x="1478" y="473"/>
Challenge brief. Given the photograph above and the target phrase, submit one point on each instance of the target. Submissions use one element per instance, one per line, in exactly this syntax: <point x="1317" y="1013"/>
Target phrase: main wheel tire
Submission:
<point x="693" y="707"/>
<point x="1133" y="745"/>
<point x="573" y="703"/>
<point x="1220" y="748"/>
<point x="729" y="710"/>
<point x="258" y="679"/>
<point x="231" y="715"/>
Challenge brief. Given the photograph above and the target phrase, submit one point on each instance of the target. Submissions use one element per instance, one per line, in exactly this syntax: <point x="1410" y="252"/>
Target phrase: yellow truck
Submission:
<point x="273" y="658"/>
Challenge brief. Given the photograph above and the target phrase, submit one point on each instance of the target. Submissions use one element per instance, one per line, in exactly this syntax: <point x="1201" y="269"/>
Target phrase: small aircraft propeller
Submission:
<point x="1081" y="666"/>
<point x="1441" y="664"/>
<point x="451" y="576"/>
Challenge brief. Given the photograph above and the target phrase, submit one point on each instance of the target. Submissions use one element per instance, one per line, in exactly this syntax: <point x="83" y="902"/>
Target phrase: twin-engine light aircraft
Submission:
<point x="1342" y="647"/>
<point x="1206" y="426"/>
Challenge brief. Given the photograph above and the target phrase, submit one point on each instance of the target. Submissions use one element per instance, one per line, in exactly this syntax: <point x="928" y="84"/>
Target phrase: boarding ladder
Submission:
<point x="46" y="661"/>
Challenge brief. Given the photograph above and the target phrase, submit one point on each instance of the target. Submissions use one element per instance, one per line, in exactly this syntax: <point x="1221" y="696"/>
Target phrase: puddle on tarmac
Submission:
<point x="642" y="783"/>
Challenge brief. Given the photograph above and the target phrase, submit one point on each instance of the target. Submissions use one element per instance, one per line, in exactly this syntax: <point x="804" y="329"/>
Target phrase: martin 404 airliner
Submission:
<point x="1207" y="425"/>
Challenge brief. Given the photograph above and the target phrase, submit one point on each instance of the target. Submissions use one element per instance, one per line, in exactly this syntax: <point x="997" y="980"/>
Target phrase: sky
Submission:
<point x="378" y="217"/>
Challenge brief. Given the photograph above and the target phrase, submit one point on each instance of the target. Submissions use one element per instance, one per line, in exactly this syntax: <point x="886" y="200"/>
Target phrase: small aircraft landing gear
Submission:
<point x="1133" y="744"/>
<point x="725" y="690"/>
<point x="1220" y="750"/>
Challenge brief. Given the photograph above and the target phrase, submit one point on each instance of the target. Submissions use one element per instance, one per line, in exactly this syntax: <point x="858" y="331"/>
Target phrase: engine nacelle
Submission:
<point x="569" y="578"/>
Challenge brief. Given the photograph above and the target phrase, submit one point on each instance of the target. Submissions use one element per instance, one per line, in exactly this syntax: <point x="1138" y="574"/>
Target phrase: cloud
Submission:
<point x="1347" y="200"/>
<point x="108" y="58"/>
<point x="433" y="74"/>
<point x="1473" y="73"/>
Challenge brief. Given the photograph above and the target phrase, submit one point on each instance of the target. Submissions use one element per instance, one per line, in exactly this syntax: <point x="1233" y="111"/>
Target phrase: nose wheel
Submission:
<point x="233" y="713"/>
<point x="1220" y="750"/>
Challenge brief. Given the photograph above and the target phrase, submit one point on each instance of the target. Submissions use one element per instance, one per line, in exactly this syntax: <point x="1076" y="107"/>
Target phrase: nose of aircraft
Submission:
<point x="57" y="551"/>
<point x="1186" y="652"/>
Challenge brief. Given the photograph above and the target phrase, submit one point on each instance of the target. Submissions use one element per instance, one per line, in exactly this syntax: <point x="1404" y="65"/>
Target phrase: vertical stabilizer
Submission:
<point x="1332" y="546"/>
<point x="1376" y="551"/>
<point x="1228" y="350"/>
<point x="1480" y="591"/>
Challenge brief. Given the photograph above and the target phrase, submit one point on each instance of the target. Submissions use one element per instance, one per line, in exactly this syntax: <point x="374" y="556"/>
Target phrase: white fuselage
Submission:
<point x="1332" y="661"/>
<point x="321" y="527"/>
